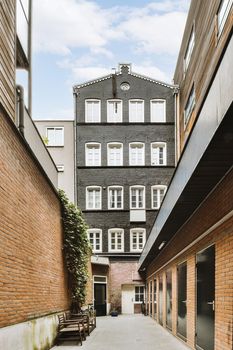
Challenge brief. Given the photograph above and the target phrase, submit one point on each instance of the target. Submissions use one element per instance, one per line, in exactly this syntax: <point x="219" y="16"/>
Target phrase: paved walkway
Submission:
<point x="135" y="332"/>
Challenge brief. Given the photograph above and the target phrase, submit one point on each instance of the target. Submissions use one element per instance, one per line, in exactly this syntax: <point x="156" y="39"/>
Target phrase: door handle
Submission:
<point x="184" y="301"/>
<point x="211" y="303"/>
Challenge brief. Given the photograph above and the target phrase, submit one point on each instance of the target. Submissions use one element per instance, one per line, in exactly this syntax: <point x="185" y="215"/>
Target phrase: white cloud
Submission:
<point x="82" y="74"/>
<point x="64" y="25"/>
<point x="170" y="5"/>
<point x="85" y="69"/>
<point x="150" y="71"/>
<point x="155" y="33"/>
<point x="61" y="25"/>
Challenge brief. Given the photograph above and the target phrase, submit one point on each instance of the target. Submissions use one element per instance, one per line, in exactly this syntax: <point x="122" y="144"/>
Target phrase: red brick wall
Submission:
<point x="213" y="209"/>
<point x="32" y="279"/>
<point x="224" y="288"/>
<point x="121" y="272"/>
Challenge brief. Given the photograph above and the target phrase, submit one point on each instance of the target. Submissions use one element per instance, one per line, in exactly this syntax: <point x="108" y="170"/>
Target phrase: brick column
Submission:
<point x="191" y="300"/>
<point x="174" y="300"/>
<point x="224" y="292"/>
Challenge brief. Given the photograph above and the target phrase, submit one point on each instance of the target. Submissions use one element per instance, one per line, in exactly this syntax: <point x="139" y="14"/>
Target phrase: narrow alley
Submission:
<point x="124" y="332"/>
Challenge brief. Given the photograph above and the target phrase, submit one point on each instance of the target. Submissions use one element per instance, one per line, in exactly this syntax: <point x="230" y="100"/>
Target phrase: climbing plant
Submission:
<point x="76" y="249"/>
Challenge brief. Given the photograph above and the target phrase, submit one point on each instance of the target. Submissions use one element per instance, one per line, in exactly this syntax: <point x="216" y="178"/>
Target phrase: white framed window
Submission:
<point x="189" y="50"/>
<point x="93" y="197"/>
<point x="137" y="197"/>
<point x="115" y="154"/>
<point x="223" y="13"/>
<point x="139" y="295"/>
<point x="114" y="111"/>
<point x="158" y="153"/>
<point x="157" y="195"/>
<point x="157" y="110"/>
<point x="136" y="111"/>
<point x="55" y="136"/>
<point x="93" y="154"/>
<point x="99" y="279"/>
<point x="95" y="238"/>
<point x="116" y="240"/>
<point x="136" y="153"/>
<point x="115" y="197"/>
<point x="189" y="107"/>
<point x="137" y="239"/>
<point x="92" y="111"/>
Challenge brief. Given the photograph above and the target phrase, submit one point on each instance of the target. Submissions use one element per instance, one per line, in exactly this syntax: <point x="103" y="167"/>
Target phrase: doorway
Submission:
<point x="100" y="299"/>
<point x="161" y="300"/>
<point x="155" y="299"/>
<point x="169" y="299"/>
<point x="127" y="301"/>
<point x="182" y="300"/>
<point x="205" y="286"/>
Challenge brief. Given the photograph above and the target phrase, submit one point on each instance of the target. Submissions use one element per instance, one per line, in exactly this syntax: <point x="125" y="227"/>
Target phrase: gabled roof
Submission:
<point x="137" y="75"/>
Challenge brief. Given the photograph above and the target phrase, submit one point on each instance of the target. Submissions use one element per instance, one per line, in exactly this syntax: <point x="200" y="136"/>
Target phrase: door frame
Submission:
<point x="133" y="301"/>
<point x="177" y="286"/>
<point x="198" y="252"/>
<point x="166" y="273"/>
<point x="93" y="289"/>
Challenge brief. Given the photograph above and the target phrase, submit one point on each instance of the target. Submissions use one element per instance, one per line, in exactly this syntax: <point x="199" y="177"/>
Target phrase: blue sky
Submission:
<point x="78" y="40"/>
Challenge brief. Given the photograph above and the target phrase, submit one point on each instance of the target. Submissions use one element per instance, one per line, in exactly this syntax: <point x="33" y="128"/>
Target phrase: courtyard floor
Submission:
<point x="136" y="332"/>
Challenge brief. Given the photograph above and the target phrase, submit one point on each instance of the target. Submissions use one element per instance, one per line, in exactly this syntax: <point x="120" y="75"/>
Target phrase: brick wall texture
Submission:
<point x="122" y="272"/>
<point x="215" y="207"/>
<point x="32" y="278"/>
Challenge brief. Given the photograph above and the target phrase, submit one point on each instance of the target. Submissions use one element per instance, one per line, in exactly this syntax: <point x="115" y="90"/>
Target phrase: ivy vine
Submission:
<point x="76" y="250"/>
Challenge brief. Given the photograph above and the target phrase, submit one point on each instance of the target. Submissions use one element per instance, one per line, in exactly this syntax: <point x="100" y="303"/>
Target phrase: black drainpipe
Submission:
<point x="20" y="103"/>
<point x="114" y="89"/>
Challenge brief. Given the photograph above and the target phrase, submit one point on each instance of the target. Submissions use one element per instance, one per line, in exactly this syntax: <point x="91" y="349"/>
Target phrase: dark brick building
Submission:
<point x="125" y="160"/>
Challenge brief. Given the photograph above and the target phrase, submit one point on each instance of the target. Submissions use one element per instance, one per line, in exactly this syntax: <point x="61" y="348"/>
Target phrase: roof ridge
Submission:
<point x="137" y="75"/>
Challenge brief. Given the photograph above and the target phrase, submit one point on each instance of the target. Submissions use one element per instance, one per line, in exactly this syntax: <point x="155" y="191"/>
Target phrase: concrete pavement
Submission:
<point x="124" y="332"/>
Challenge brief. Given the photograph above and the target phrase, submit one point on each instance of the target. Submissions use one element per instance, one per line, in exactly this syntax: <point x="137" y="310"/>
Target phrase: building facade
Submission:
<point x="58" y="136"/>
<point x="32" y="275"/>
<point x="125" y="160"/>
<point x="188" y="258"/>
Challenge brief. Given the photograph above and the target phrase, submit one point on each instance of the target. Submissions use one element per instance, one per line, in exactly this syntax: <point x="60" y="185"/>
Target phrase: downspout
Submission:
<point x="30" y="59"/>
<point x="177" y="128"/>
<point x="114" y="89"/>
<point x="20" y="103"/>
<point x="75" y="147"/>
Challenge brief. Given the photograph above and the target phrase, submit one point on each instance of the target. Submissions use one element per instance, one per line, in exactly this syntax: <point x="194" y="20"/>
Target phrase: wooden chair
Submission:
<point x="84" y="317"/>
<point x="70" y="330"/>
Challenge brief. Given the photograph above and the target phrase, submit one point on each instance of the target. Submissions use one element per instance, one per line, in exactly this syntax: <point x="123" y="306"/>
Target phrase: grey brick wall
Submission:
<point x="125" y="133"/>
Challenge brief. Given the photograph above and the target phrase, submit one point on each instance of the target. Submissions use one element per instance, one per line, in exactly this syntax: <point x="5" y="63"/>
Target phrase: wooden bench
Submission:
<point x="88" y="316"/>
<point x="83" y="317"/>
<point x="70" y="330"/>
